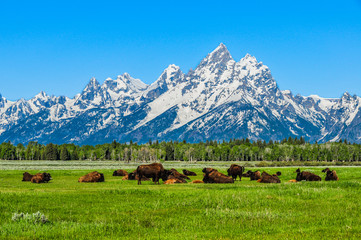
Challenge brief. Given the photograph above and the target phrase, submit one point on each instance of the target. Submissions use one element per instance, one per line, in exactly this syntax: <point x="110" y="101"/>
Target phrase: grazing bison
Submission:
<point x="331" y="175"/>
<point x="120" y="172"/>
<point x="154" y="171"/>
<point x="176" y="174"/>
<point x="267" y="178"/>
<point x="306" y="176"/>
<point x="92" y="177"/>
<point x="234" y="171"/>
<point x="189" y="173"/>
<point x="253" y="175"/>
<point x="27" y="177"/>
<point x="211" y="175"/>
<point x="41" y="178"/>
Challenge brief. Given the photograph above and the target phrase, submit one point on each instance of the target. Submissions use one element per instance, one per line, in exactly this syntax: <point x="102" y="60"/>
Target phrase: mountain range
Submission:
<point x="220" y="99"/>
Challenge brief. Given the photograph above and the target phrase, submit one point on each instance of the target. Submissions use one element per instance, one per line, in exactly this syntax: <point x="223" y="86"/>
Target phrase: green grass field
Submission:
<point x="121" y="209"/>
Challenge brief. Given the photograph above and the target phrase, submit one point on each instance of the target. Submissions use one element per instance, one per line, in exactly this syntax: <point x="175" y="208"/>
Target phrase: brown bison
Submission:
<point x="134" y="176"/>
<point x="154" y="171"/>
<point x="92" y="177"/>
<point x="41" y="178"/>
<point x="197" y="181"/>
<point x="252" y="175"/>
<point x="120" y="172"/>
<point x="306" y="176"/>
<point x="234" y="171"/>
<point x="174" y="180"/>
<point x="211" y="175"/>
<point x="179" y="179"/>
<point x="189" y="173"/>
<point x="177" y="174"/>
<point x="267" y="178"/>
<point x="331" y="175"/>
<point x="27" y="177"/>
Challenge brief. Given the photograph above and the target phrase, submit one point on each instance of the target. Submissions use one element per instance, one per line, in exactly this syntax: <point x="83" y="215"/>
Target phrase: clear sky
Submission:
<point x="311" y="47"/>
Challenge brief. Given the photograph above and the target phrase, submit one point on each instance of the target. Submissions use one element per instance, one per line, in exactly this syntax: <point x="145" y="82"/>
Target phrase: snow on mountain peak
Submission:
<point x="219" y="57"/>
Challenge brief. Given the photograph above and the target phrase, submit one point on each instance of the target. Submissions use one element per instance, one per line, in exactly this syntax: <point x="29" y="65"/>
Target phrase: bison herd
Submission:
<point x="156" y="171"/>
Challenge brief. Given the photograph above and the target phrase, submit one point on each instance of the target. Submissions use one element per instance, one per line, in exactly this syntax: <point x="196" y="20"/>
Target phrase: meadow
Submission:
<point x="117" y="209"/>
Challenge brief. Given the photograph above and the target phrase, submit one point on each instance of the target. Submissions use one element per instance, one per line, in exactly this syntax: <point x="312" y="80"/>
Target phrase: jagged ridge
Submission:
<point x="220" y="99"/>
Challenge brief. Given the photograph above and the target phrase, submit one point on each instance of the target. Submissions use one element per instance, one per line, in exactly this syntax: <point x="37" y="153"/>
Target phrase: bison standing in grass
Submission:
<point x="154" y="171"/>
<point x="189" y="173"/>
<point x="267" y="178"/>
<point x="211" y="175"/>
<point x="120" y="172"/>
<point x="92" y="177"/>
<point x="331" y="175"/>
<point x="306" y="176"/>
<point x="234" y="171"/>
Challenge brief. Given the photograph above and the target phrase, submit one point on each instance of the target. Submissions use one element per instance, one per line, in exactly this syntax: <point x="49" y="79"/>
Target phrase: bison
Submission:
<point x="267" y="178"/>
<point x="134" y="176"/>
<point x="331" y="175"/>
<point x="252" y="175"/>
<point x="154" y="171"/>
<point x="41" y="178"/>
<point x="306" y="176"/>
<point x="189" y="173"/>
<point x="27" y="177"/>
<point x="197" y="181"/>
<point x="211" y="175"/>
<point x="234" y="171"/>
<point x="120" y="172"/>
<point x="92" y="177"/>
<point x="174" y="180"/>
<point x="176" y="174"/>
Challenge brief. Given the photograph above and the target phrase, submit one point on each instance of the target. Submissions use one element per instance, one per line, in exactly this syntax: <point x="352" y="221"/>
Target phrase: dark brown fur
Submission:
<point x="306" y="176"/>
<point x="254" y="175"/>
<point x="154" y="171"/>
<point x="267" y="178"/>
<point x="177" y="174"/>
<point x="331" y="175"/>
<point x="41" y="178"/>
<point x="211" y="175"/>
<point x="189" y="173"/>
<point x="27" y="177"/>
<point x="235" y="171"/>
<point x="120" y="172"/>
<point x="92" y="177"/>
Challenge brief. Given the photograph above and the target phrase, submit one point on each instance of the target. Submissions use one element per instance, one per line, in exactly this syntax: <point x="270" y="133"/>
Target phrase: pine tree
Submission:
<point x="64" y="154"/>
<point x="50" y="152"/>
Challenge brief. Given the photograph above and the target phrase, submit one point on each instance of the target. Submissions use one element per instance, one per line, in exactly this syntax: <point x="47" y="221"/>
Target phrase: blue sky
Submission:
<point x="311" y="47"/>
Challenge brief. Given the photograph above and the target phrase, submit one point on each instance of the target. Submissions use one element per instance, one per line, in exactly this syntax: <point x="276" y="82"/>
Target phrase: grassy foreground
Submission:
<point x="121" y="209"/>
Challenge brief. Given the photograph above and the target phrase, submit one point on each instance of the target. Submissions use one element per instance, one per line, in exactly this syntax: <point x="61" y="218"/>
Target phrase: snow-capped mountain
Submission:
<point x="220" y="99"/>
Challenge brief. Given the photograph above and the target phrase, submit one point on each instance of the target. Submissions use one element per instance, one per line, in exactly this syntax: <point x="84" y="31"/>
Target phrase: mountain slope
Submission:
<point x="220" y="99"/>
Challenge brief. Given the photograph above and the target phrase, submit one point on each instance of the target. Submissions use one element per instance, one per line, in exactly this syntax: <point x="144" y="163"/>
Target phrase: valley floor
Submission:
<point x="118" y="209"/>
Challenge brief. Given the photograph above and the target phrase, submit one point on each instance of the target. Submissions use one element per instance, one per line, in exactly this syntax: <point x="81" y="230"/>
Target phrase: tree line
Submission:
<point x="289" y="149"/>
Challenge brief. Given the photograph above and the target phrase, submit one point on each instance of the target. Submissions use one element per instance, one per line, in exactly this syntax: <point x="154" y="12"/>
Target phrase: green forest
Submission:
<point x="291" y="149"/>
